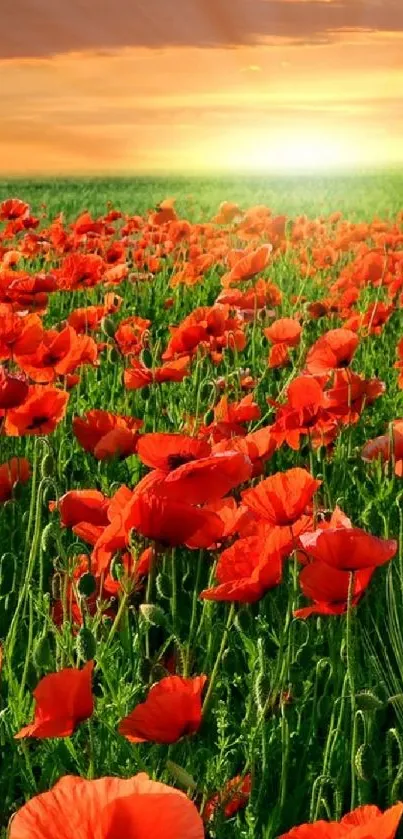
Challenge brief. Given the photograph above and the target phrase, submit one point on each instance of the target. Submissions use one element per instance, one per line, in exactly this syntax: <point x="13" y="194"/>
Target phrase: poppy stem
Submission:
<point x="350" y="671"/>
<point x="231" y="615"/>
<point x="122" y="605"/>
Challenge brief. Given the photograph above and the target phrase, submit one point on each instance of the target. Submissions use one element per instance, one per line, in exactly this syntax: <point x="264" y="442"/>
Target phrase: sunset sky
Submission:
<point x="127" y="86"/>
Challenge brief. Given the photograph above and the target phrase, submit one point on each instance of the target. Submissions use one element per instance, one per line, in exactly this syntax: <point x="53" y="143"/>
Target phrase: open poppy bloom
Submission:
<point x="304" y="415"/>
<point x="108" y="808"/>
<point x="282" y="498"/>
<point x="283" y="334"/>
<point x="16" y="470"/>
<point x="43" y="409"/>
<point x="333" y="350"/>
<point x="246" y="571"/>
<point x="19" y="334"/>
<point x="13" y="390"/>
<point x="169" y="451"/>
<point x="58" y="354"/>
<point x="328" y="587"/>
<point x="386" y="447"/>
<point x="233" y="797"/>
<point x="106" y="435"/>
<point x="138" y="375"/>
<point x="171" y="522"/>
<point x="208" y="478"/>
<point x="348" y="548"/>
<point x="366" y="822"/>
<point x="172" y="710"/>
<point x="82" y="505"/>
<point x="62" y="701"/>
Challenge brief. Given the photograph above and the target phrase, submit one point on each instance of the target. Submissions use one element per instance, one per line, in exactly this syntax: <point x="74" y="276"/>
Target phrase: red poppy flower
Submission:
<point x="328" y="587"/>
<point x="171" y="522"/>
<point x="108" y="808"/>
<point x="62" y="701"/>
<point x="13" y="390"/>
<point x="247" y="265"/>
<point x="172" y="710"/>
<point x="348" y="549"/>
<point x="138" y="375"/>
<point x="129" y="334"/>
<point x="80" y="270"/>
<point x="82" y="505"/>
<point x="246" y="571"/>
<point x="19" y="334"/>
<point x="387" y="445"/>
<point x="169" y="451"/>
<point x="208" y="478"/>
<point x="13" y="208"/>
<point x="284" y="331"/>
<point x="282" y="498"/>
<point x="333" y="350"/>
<point x="233" y="797"/>
<point x="366" y="822"/>
<point x="41" y="412"/>
<point x="16" y="470"/>
<point x="105" y="434"/>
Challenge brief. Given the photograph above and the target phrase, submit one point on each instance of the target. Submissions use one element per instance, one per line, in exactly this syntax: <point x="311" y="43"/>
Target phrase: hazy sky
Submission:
<point x="175" y="85"/>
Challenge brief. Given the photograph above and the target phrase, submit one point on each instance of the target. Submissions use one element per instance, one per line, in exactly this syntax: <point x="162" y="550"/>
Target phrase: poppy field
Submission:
<point x="201" y="509"/>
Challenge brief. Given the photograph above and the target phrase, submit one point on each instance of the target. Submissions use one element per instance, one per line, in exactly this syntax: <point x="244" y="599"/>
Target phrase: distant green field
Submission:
<point x="358" y="196"/>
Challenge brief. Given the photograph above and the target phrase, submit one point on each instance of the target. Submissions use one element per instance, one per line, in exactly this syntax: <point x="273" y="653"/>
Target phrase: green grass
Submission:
<point x="323" y="750"/>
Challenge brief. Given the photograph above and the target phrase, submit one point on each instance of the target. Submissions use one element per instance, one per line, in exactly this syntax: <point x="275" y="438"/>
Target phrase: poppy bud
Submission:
<point x="48" y="538"/>
<point x="181" y="776"/>
<point x="7" y="573"/>
<point x="17" y="490"/>
<point x="147" y="358"/>
<point x="47" y="466"/>
<point x="87" y="584"/>
<point x="114" y="355"/>
<point x="42" y="653"/>
<point x="208" y="417"/>
<point x="86" y="644"/>
<point x="116" y="569"/>
<point x="108" y="327"/>
<point x="152" y="614"/>
<point x="56" y="586"/>
<point x="364" y="762"/>
<point x="368" y="701"/>
<point x="164" y="586"/>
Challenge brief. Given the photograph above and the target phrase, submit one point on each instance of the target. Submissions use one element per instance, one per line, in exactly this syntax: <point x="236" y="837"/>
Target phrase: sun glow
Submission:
<point x="301" y="152"/>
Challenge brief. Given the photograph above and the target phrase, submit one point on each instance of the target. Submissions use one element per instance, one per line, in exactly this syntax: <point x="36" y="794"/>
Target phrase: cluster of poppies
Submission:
<point x="209" y="486"/>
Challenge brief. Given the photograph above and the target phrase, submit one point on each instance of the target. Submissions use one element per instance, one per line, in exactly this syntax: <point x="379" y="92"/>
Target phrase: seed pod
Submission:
<point x="87" y="584"/>
<point x="364" y="762"/>
<point x="86" y="644"/>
